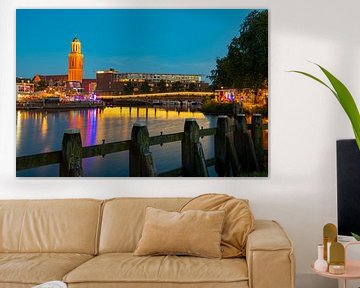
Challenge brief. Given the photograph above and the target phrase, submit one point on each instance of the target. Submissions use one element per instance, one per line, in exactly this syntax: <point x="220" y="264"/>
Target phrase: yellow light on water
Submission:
<point x="143" y="112"/>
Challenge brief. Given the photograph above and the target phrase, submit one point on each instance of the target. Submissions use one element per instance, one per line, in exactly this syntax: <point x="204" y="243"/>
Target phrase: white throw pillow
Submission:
<point x="51" y="284"/>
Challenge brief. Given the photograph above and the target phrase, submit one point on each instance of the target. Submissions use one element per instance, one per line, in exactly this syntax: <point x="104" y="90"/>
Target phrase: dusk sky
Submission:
<point x="160" y="41"/>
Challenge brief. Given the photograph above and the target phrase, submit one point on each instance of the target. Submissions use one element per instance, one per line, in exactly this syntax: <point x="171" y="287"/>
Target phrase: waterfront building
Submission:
<point x="24" y="86"/>
<point x="112" y="82"/>
<point x="75" y="61"/>
<point x="51" y="80"/>
<point x="73" y="87"/>
<point x="227" y="95"/>
<point x="245" y="95"/>
<point x="89" y="85"/>
<point x="73" y="81"/>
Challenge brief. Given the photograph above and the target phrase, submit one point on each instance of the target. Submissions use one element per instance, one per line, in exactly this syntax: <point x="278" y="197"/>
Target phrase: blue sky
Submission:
<point x="164" y="41"/>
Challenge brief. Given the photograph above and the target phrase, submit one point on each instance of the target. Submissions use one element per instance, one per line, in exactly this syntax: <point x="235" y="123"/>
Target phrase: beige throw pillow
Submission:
<point x="238" y="223"/>
<point x="194" y="232"/>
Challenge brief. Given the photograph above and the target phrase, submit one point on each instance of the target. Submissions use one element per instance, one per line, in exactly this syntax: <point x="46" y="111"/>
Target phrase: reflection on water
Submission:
<point x="41" y="131"/>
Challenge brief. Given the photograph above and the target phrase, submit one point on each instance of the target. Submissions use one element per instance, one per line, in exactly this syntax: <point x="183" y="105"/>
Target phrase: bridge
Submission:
<point x="151" y="97"/>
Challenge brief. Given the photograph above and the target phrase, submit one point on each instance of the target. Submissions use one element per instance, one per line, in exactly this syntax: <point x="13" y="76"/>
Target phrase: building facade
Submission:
<point x="51" y="80"/>
<point x="245" y="95"/>
<point x="89" y="85"/>
<point x="24" y="86"/>
<point x="75" y="61"/>
<point x="112" y="82"/>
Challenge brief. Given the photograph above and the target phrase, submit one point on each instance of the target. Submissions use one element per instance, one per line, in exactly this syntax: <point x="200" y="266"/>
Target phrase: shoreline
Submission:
<point x="57" y="106"/>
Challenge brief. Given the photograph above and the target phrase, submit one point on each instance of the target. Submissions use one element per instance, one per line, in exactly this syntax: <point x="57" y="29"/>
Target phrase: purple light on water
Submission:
<point x="93" y="97"/>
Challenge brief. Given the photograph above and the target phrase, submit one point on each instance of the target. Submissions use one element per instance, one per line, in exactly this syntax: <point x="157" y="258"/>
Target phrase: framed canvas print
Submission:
<point x="142" y="93"/>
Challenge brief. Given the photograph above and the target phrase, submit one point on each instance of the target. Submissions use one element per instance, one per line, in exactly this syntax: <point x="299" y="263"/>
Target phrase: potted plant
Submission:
<point x="346" y="100"/>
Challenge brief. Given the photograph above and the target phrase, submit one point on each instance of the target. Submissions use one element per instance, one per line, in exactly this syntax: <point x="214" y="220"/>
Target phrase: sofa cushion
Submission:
<point x="238" y="223"/>
<point x="63" y="226"/>
<point x="126" y="268"/>
<point x="123" y="220"/>
<point x="15" y="285"/>
<point x="36" y="268"/>
<point x="242" y="284"/>
<point x="193" y="232"/>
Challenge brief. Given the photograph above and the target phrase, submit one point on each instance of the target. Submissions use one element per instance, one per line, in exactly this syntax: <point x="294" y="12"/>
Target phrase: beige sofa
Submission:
<point x="89" y="243"/>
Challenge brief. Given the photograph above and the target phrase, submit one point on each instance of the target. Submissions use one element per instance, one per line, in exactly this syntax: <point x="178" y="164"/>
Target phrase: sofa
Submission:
<point x="90" y="243"/>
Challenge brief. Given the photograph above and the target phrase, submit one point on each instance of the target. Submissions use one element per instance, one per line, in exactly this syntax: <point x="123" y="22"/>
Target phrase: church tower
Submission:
<point x="75" y="70"/>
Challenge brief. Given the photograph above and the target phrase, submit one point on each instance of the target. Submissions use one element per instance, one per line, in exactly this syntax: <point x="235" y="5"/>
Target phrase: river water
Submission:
<point x="42" y="131"/>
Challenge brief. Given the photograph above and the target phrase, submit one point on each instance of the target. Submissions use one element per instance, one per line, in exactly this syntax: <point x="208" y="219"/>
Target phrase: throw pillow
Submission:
<point x="196" y="233"/>
<point x="238" y="223"/>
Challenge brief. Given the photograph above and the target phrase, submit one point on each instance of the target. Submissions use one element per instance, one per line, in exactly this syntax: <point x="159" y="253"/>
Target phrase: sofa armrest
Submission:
<point x="269" y="256"/>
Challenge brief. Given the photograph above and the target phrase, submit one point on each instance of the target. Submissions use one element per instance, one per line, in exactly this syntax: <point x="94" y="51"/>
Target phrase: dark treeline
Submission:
<point x="246" y="63"/>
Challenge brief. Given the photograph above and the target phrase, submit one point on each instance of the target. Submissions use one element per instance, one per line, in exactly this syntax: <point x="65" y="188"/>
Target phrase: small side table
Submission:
<point x="352" y="269"/>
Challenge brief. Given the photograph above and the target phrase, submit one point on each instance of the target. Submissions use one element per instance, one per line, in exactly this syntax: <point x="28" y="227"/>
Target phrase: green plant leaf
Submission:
<point x="316" y="79"/>
<point x="344" y="97"/>
<point x="347" y="102"/>
<point x="357" y="237"/>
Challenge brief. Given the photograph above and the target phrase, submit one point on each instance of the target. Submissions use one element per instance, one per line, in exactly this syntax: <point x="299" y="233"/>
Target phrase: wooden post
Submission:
<point x="140" y="159"/>
<point x="232" y="155"/>
<point x="244" y="145"/>
<point x="258" y="139"/>
<point x="226" y="159"/>
<point x="200" y="164"/>
<point x="192" y="155"/>
<point x="191" y="136"/>
<point x="149" y="167"/>
<point x="71" y="163"/>
<point x="221" y="165"/>
<point x="237" y="108"/>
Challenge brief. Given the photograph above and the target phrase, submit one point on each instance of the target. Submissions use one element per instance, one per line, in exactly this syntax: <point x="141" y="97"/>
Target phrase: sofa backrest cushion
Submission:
<point x="66" y="226"/>
<point x="238" y="224"/>
<point x="123" y="220"/>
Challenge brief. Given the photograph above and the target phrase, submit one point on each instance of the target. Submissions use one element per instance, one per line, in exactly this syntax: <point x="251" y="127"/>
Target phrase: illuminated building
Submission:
<point x="89" y="85"/>
<point x="24" y="86"/>
<point x="245" y="95"/>
<point x="154" y="77"/>
<point x="51" y="80"/>
<point x="227" y="95"/>
<point x="74" y="79"/>
<point x="75" y="64"/>
<point x="113" y="82"/>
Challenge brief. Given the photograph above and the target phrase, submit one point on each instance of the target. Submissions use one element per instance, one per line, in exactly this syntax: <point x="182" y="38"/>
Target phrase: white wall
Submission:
<point x="305" y="120"/>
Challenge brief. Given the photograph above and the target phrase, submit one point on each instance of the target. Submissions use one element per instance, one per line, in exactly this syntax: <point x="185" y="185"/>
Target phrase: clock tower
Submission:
<point x="75" y="70"/>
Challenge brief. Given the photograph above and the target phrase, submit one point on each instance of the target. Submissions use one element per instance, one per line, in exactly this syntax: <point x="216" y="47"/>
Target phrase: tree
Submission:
<point x="192" y="87"/>
<point x="246" y="63"/>
<point x="128" y="88"/>
<point x="145" y="87"/>
<point x="176" y="87"/>
<point x="162" y="86"/>
<point x="41" y="85"/>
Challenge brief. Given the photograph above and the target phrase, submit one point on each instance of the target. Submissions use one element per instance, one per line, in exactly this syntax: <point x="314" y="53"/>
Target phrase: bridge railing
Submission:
<point x="239" y="148"/>
<point x="165" y="94"/>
